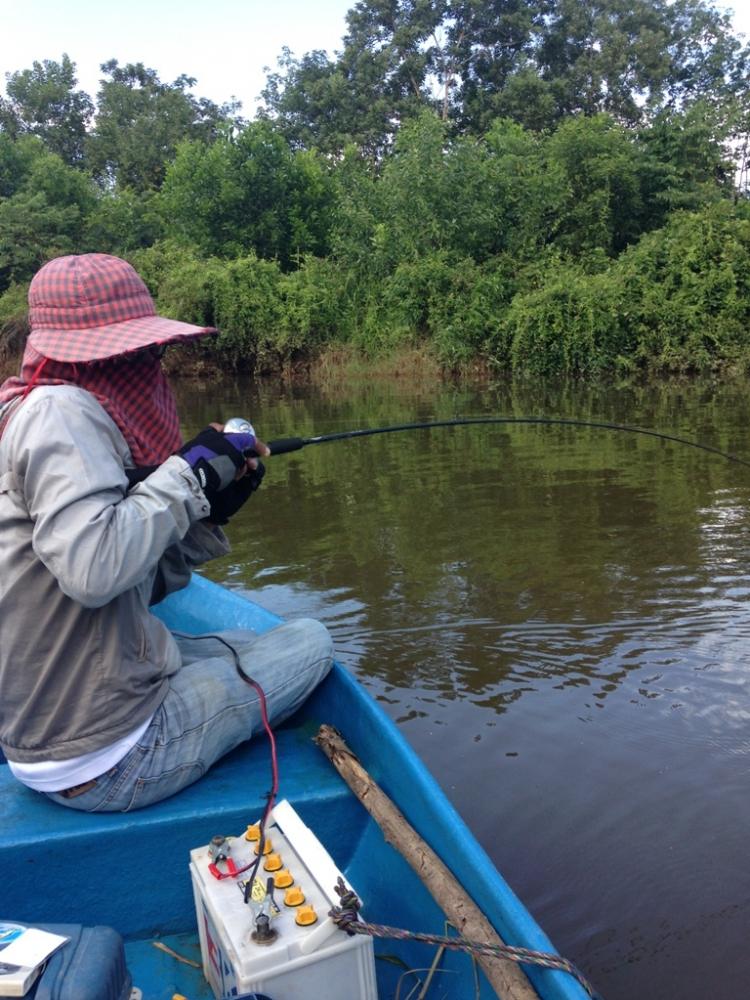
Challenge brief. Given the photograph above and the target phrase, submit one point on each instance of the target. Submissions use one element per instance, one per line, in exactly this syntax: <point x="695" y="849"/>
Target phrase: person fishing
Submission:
<point x="103" y="512"/>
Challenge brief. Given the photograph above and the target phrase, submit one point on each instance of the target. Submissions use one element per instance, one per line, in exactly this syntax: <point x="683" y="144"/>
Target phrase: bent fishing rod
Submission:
<point x="283" y="446"/>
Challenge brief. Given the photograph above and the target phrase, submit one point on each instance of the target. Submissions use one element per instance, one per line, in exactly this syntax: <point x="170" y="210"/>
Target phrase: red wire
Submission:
<point x="274" y="757"/>
<point x="274" y="775"/>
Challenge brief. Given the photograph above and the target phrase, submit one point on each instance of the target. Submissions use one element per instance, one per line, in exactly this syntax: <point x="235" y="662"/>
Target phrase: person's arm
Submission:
<point x="203" y="541"/>
<point x="97" y="539"/>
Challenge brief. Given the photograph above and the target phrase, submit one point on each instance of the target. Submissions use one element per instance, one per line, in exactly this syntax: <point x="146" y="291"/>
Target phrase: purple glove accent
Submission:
<point x="214" y="459"/>
<point x="198" y="451"/>
<point x="243" y="441"/>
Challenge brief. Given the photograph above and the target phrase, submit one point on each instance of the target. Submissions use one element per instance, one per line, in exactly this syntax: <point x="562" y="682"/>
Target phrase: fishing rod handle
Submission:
<point x="282" y="445"/>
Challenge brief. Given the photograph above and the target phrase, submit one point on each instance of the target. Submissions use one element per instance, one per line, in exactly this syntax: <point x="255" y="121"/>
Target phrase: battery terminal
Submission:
<point x="219" y="851"/>
<point x="294" y="896"/>
<point x="283" y="879"/>
<point x="306" y="915"/>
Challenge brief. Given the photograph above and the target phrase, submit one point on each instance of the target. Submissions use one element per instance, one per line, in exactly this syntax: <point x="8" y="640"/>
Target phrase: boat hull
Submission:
<point x="129" y="871"/>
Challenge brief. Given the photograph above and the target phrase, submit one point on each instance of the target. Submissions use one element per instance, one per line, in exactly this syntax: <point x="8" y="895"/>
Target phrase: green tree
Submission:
<point x="16" y="159"/>
<point x="248" y="192"/>
<point x="535" y="61"/>
<point x="380" y="78"/>
<point x="43" y="101"/>
<point x="140" y="121"/>
<point x="122" y="221"/>
<point x="690" y="161"/>
<point x="597" y="167"/>
<point x="312" y="104"/>
<point x="44" y="217"/>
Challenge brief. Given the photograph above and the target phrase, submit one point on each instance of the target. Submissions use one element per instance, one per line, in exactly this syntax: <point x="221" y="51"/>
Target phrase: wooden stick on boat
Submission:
<point x="505" y="977"/>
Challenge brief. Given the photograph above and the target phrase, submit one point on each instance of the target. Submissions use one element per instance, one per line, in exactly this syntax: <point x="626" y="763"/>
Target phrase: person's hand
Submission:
<point x="226" y="503"/>
<point x="215" y="459"/>
<point x="246" y="442"/>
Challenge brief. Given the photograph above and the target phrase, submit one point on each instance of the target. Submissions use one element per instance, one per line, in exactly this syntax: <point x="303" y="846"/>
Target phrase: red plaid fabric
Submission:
<point x="134" y="393"/>
<point x="93" y="306"/>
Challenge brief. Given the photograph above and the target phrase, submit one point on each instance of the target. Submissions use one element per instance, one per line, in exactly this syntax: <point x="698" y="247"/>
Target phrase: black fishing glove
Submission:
<point x="226" y="504"/>
<point x="214" y="459"/>
<point x="139" y="473"/>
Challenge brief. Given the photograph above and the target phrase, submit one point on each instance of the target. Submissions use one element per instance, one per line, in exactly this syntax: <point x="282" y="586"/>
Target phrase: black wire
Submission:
<point x="262" y="825"/>
<point x="462" y="421"/>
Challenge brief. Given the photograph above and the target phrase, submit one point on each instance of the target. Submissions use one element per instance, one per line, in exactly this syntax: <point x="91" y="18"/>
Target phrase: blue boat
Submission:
<point x="130" y="871"/>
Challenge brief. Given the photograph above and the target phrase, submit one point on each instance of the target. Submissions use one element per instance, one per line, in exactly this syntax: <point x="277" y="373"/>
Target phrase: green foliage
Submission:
<point x="43" y="218"/>
<point x="122" y="221"/>
<point x="265" y="317"/>
<point x="461" y="196"/>
<point x="42" y="102"/>
<point x="678" y="301"/>
<point x="536" y="61"/>
<point x="688" y="162"/>
<point x="13" y="322"/>
<point x="686" y="292"/>
<point x="311" y="103"/>
<point x="568" y="326"/>
<point x="596" y="168"/>
<point x="248" y="192"/>
<point x="16" y="159"/>
<point x="140" y="121"/>
<point x="547" y="183"/>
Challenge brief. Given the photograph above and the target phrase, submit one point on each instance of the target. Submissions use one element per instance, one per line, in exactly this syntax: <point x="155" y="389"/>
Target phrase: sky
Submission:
<point x="224" y="44"/>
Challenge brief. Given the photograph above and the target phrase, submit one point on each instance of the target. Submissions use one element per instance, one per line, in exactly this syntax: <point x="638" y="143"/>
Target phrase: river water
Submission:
<point x="558" y="619"/>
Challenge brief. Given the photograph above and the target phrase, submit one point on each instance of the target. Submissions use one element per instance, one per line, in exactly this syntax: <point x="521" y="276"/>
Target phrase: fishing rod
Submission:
<point x="283" y="446"/>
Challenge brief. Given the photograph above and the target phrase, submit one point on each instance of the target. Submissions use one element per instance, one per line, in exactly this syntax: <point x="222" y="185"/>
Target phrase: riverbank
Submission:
<point x="331" y="364"/>
<point x="675" y="303"/>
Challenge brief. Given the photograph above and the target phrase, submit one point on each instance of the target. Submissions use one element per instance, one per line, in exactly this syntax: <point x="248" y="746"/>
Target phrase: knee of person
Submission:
<point x="317" y="640"/>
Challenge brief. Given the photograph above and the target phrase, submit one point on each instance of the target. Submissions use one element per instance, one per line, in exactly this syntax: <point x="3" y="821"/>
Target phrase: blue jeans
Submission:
<point x="209" y="710"/>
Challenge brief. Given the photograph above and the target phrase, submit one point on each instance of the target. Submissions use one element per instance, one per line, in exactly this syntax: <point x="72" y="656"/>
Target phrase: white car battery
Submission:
<point x="284" y="945"/>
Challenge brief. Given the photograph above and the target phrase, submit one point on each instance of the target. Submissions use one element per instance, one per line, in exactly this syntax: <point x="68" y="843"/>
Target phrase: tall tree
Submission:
<point x="140" y="121"/>
<point x="535" y="61"/>
<point x="313" y="105"/>
<point x="380" y="78"/>
<point x="43" y="101"/>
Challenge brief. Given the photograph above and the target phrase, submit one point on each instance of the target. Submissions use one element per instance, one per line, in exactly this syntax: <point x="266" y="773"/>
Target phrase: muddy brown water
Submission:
<point x="558" y="620"/>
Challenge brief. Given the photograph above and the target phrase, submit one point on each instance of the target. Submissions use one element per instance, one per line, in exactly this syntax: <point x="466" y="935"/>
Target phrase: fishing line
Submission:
<point x="282" y="446"/>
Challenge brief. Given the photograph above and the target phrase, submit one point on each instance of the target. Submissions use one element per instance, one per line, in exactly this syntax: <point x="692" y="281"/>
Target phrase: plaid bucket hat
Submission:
<point x="93" y="306"/>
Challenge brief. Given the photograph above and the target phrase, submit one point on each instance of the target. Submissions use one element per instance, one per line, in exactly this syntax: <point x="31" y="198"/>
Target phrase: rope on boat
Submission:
<point x="346" y="916"/>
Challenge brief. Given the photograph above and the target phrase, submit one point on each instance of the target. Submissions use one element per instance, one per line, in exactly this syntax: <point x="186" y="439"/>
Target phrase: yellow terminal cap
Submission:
<point x="253" y="832"/>
<point x="282" y="879"/>
<point x="273" y="863"/>
<point x="267" y="847"/>
<point x="294" y="896"/>
<point x="306" y="915"/>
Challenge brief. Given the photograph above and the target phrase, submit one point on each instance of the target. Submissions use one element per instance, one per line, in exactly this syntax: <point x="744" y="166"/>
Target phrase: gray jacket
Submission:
<point x="82" y="660"/>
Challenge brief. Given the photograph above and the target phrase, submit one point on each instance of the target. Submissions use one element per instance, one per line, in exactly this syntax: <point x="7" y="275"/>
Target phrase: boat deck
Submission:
<point x="130" y="871"/>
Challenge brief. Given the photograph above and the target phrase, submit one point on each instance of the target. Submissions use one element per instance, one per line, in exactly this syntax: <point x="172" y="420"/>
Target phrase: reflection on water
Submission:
<point x="558" y="619"/>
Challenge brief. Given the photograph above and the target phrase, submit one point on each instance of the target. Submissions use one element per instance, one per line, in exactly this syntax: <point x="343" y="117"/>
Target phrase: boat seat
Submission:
<point x="113" y="885"/>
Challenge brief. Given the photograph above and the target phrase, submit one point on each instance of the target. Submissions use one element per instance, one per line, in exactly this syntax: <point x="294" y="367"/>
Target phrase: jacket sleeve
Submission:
<point x="174" y="569"/>
<point x="97" y="539"/>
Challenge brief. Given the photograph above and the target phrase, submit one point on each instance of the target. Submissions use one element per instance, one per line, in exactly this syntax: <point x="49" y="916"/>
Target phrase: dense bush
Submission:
<point x="677" y="301"/>
<point x="600" y="241"/>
